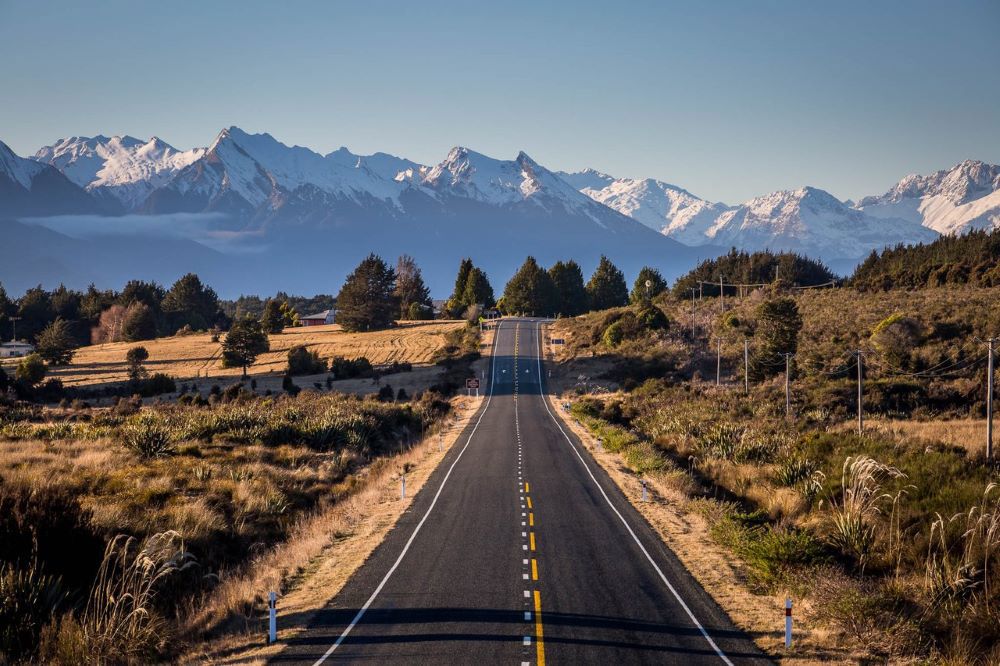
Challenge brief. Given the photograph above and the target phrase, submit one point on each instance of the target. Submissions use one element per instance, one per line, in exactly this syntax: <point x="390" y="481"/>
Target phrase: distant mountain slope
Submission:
<point x="813" y="222"/>
<point x="667" y="208"/>
<point x="955" y="200"/>
<point x="28" y="188"/>
<point x="122" y="168"/>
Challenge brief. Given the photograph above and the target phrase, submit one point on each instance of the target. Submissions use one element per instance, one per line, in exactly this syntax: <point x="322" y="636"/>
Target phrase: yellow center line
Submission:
<point x="531" y="538"/>
<point x="534" y="569"/>
<point x="531" y="520"/>
<point x="529" y="502"/>
<point x="527" y="487"/>
<point x="539" y="638"/>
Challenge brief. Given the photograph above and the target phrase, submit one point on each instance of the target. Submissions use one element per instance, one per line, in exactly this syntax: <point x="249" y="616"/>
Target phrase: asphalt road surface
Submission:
<point x="520" y="550"/>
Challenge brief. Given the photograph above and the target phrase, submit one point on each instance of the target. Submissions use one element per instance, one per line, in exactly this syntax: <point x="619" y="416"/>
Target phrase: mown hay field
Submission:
<point x="191" y="356"/>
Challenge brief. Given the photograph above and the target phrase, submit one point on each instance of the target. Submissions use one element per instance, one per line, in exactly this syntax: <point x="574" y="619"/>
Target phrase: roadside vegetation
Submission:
<point x="891" y="536"/>
<point x="117" y="524"/>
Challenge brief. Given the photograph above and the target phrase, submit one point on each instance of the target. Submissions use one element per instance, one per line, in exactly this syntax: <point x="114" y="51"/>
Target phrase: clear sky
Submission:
<point x="727" y="99"/>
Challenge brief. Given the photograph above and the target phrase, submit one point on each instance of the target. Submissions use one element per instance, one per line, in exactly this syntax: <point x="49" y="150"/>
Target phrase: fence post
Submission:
<point x="272" y="610"/>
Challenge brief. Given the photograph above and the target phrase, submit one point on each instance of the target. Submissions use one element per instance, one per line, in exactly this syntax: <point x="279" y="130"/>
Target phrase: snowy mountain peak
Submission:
<point x="966" y="196"/>
<point x="17" y="169"/>
<point x="123" y="167"/>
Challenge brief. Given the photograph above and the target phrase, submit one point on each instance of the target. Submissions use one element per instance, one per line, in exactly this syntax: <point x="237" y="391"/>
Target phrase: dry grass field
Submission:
<point x="192" y="356"/>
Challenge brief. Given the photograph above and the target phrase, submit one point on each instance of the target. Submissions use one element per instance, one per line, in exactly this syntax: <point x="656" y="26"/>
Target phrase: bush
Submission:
<point x="288" y="386"/>
<point x="386" y="394"/>
<point x="147" y="437"/>
<point x="28" y="598"/>
<point x="156" y="384"/>
<point x="303" y="361"/>
<point x="343" y="368"/>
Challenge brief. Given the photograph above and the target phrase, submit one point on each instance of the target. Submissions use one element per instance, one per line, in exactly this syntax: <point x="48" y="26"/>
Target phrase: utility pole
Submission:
<point x="861" y="418"/>
<point x="13" y="323"/>
<point x="746" y="366"/>
<point x="718" y="362"/>
<point x="989" y="400"/>
<point x="692" y="313"/>
<point x="788" y="392"/>
<point x="700" y="289"/>
<point x="722" y="295"/>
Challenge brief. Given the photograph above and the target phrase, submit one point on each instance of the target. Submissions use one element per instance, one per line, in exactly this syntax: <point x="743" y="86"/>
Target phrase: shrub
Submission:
<point x="303" y="361"/>
<point x="342" y="368"/>
<point x="147" y="437"/>
<point x="156" y="384"/>
<point x="386" y="394"/>
<point x="28" y="598"/>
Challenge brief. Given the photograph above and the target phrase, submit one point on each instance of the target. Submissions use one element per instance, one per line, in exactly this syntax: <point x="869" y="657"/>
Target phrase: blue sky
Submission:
<point x="729" y="100"/>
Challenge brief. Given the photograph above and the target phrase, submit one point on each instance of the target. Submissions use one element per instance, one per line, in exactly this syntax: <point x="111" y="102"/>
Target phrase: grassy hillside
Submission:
<point x="890" y="537"/>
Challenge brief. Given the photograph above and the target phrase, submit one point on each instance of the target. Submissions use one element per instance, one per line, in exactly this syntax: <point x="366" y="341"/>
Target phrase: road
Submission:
<point x="520" y="550"/>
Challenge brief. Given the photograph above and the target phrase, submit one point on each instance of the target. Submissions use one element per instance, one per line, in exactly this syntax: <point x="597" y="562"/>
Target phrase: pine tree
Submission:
<point x="245" y="341"/>
<point x="191" y="303"/>
<point x="6" y="310"/>
<point x="456" y="303"/>
<point x="366" y="301"/>
<point x="778" y="323"/>
<point x="607" y="288"/>
<point x="134" y="358"/>
<point x="478" y="290"/>
<point x="139" y="323"/>
<point x="272" y="320"/>
<point x="56" y="343"/>
<point x="572" y="295"/>
<point x="410" y="288"/>
<point x="530" y="291"/>
<point x="643" y="292"/>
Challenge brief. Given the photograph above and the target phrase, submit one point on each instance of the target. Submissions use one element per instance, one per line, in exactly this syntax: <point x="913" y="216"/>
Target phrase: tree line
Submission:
<point x="971" y="258"/>
<point x="739" y="267"/>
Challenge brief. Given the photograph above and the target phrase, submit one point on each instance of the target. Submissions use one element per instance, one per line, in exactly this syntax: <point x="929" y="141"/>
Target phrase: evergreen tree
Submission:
<point x="456" y="303"/>
<point x="35" y="311"/>
<point x="56" y="343"/>
<point x="478" y="290"/>
<point x="607" y="288"/>
<point x="191" y="303"/>
<point x="366" y="301"/>
<point x="530" y="291"/>
<point x="272" y="320"/>
<point x="641" y="292"/>
<point x="410" y="287"/>
<point x="778" y="323"/>
<point x="572" y="295"/>
<point x="139" y="323"/>
<point x="6" y="310"/>
<point x="134" y="358"/>
<point x="289" y="317"/>
<point x="138" y="291"/>
<point x="244" y="342"/>
<point x="94" y="302"/>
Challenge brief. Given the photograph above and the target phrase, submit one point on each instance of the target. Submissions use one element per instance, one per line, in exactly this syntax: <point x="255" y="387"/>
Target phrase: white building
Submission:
<point x="15" y="349"/>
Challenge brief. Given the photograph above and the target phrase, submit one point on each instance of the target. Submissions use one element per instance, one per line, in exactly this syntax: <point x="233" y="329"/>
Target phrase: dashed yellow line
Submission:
<point x="534" y="569"/>
<point x="531" y="540"/>
<point x="527" y="487"/>
<point x="539" y="635"/>
<point x="529" y="502"/>
<point x="531" y="520"/>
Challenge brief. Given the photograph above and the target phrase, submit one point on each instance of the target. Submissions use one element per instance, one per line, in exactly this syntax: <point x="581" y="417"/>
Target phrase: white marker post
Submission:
<point x="644" y="490"/>
<point x="402" y="487"/>
<point x="788" y="623"/>
<point x="272" y="610"/>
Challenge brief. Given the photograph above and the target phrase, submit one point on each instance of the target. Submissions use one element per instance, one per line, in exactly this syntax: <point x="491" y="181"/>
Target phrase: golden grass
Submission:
<point x="969" y="434"/>
<point x="191" y="356"/>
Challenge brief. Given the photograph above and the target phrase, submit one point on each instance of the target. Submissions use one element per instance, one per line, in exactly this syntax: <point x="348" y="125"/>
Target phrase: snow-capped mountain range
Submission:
<point x="254" y="184"/>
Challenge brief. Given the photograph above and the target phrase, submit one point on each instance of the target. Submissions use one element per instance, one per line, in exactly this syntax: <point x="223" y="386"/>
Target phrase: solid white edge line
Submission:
<point x="409" y="542"/>
<point x="677" y="596"/>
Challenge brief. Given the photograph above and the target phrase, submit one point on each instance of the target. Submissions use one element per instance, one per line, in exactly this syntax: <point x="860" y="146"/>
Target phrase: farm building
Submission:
<point x="319" y="319"/>
<point x="15" y="349"/>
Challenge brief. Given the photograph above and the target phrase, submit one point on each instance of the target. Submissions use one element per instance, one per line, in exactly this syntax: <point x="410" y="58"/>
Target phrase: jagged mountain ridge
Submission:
<point x="28" y="188"/>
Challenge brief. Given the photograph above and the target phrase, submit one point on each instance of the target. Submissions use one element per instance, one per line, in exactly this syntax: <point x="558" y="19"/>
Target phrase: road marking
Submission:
<point x="673" y="591"/>
<point x="531" y="519"/>
<point x="531" y="538"/>
<point x="527" y="616"/>
<point x="534" y="569"/>
<point x="529" y="502"/>
<point x="416" y="530"/>
<point x="524" y="576"/>
<point x="539" y="635"/>
<point x="527" y="640"/>
<point x="527" y="594"/>
<point x="527" y="487"/>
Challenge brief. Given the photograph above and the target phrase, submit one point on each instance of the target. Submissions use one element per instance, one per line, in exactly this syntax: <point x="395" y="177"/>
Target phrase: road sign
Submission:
<point x="558" y="341"/>
<point x="472" y="383"/>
